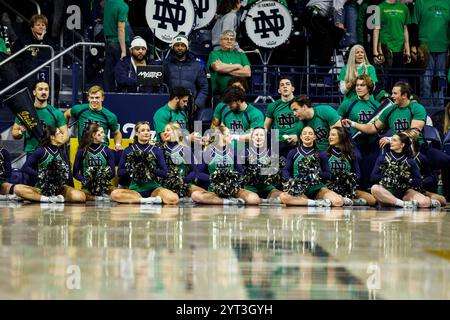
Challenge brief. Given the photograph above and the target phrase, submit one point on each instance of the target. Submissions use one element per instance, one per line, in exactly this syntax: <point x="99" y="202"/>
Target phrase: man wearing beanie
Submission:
<point x="183" y="69"/>
<point x="125" y="71"/>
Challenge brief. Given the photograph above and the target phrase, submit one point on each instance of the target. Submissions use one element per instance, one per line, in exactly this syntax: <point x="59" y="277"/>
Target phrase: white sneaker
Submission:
<point x="14" y="197"/>
<point x="410" y="204"/>
<point x="360" y="202"/>
<point x="186" y="200"/>
<point x="348" y="202"/>
<point x="56" y="199"/>
<point x="435" y="203"/>
<point x="4" y="197"/>
<point x="234" y="202"/>
<point x="153" y="200"/>
<point x="271" y="201"/>
<point x="106" y="197"/>
<point x="323" y="203"/>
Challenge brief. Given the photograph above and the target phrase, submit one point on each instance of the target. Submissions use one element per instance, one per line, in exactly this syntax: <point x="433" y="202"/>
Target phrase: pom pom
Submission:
<point x="252" y="172"/>
<point x="97" y="180"/>
<point x="276" y="178"/>
<point x="308" y="176"/>
<point x="343" y="183"/>
<point x="175" y="182"/>
<point x="396" y="175"/>
<point x="225" y="182"/>
<point x="141" y="166"/>
<point x="53" y="177"/>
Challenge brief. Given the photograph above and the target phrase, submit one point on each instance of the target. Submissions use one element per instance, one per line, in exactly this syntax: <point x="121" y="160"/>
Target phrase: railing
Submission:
<point x="52" y="76"/>
<point x="59" y="55"/>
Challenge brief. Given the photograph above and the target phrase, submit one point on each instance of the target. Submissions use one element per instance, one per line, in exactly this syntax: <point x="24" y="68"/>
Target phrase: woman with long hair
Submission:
<point x="357" y="64"/>
<point x="396" y="175"/>
<point x="94" y="161"/>
<point x="345" y="171"/>
<point x="135" y="162"/>
<point x="309" y="169"/>
<point x="219" y="157"/>
<point x="429" y="181"/>
<point x="258" y="161"/>
<point x="50" y="165"/>
<point x="181" y="163"/>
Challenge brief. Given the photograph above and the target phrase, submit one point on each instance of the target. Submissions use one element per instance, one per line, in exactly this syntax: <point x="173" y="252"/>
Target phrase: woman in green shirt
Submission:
<point x="357" y="64"/>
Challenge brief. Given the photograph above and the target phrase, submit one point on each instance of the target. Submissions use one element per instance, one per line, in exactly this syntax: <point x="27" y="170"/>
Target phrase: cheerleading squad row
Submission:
<point x="161" y="174"/>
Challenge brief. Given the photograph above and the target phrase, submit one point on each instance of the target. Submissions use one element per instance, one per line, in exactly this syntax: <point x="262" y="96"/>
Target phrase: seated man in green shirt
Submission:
<point x="227" y="62"/>
<point x="94" y="112"/>
<point x="48" y="115"/>
<point x="320" y="117"/>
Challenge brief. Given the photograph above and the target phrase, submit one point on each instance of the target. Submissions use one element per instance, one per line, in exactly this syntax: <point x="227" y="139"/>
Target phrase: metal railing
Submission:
<point x="59" y="55"/>
<point x="52" y="76"/>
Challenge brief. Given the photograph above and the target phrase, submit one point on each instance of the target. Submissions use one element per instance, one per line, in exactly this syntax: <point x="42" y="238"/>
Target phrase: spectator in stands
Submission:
<point x="3" y="47"/>
<point x="48" y="116"/>
<point x="280" y="116"/>
<point x="234" y="82"/>
<point x="240" y="117"/>
<point x="324" y="19"/>
<point x="433" y="19"/>
<point x="357" y="65"/>
<point x="392" y="31"/>
<point x="183" y="69"/>
<point x="321" y="118"/>
<point x="227" y="62"/>
<point x="125" y="70"/>
<point x="34" y="57"/>
<point x="94" y="112"/>
<point x="227" y="20"/>
<point x="350" y="37"/>
<point x="115" y="18"/>
<point x="446" y="128"/>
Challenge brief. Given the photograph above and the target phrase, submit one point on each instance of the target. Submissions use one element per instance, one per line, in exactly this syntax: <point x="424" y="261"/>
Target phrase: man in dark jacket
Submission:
<point x="125" y="70"/>
<point x="183" y="69"/>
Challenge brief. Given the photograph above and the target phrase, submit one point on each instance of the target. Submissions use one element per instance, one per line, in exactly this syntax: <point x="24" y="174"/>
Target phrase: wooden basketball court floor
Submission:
<point x="110" y="251"/>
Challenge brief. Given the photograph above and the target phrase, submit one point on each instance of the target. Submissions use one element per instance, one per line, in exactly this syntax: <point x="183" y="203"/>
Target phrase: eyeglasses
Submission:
<point x="228" y="39"/>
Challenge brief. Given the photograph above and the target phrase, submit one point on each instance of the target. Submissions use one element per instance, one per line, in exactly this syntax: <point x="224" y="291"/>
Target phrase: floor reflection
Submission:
<point x="190" y="252"/>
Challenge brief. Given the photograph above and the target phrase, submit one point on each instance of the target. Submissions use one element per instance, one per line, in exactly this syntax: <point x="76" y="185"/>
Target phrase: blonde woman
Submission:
<point x="357" y="64"/>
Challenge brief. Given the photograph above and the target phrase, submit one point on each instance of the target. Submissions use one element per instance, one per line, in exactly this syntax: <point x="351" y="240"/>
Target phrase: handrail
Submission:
<point x="52" y="67"/>
<point x="15" y="11"/>
<point x="38" y="7"/>
<point x="61" y="44"/>
<point x="59" y="55"/>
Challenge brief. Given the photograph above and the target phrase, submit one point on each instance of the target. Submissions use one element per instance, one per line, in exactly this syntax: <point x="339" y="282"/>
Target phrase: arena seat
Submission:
<point x="432" y="136"/>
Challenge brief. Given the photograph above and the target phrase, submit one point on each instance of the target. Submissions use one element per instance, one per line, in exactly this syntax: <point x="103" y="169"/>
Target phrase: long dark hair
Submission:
<point x="226" y="6"/>
<point x="87" y="139"/>
<point x="345" y="145"/>
<point x="48" y="132"/>
<point x="406" y="140"/>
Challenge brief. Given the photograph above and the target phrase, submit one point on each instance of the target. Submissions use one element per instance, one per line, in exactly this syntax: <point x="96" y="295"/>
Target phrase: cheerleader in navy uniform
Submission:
<point x="50" y="165"/>
<point x="144" y="187"/>
<point x="219" y="157"/>
<point x="6" y="188"/>
<point x="180" y="162"/>
<point x="309" y="169"/>
<point x="94" y="161"/>
<point x="258" y="162"/>
<point x="397" y="175"/>
<point x="345" y="170"/>
<point x="429" y="181"/>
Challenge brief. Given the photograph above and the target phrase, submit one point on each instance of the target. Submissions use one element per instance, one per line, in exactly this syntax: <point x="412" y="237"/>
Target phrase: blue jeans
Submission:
<point x="432" y="84"/>
<point x="350" y="37"/>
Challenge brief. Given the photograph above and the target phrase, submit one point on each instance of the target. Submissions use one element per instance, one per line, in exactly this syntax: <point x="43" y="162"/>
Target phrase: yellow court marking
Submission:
<point x="441" y="253"/>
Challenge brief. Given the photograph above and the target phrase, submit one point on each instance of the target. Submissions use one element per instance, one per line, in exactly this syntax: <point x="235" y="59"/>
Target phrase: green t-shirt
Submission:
<point x="219" y="109"/>
<point x="433" y="18"/>
<point x="115" y="11"/>
<point x="219" y="81"/>
<point x="393" y="18"/>
<point x="359" y="111"/>
<point x="165" y="115"/>
<point x="3" y="46"/>
<point x="364" y="69"/>
<point x="399" y="119"/>
<point x="86" y="116"/>
<point x="283" y="118"/>
<point x="324" y="117"/>
<point x="48" y="116"/>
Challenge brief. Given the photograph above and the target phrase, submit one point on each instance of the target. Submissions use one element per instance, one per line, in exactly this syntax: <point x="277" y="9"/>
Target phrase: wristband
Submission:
<point x="352" y="124"/>
<point x="234" y="137"/>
